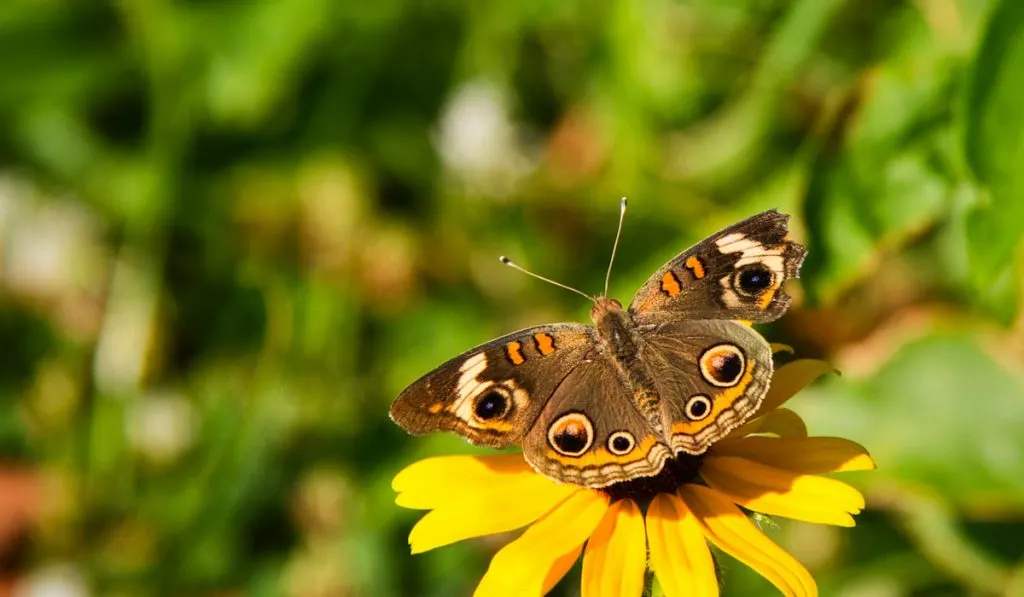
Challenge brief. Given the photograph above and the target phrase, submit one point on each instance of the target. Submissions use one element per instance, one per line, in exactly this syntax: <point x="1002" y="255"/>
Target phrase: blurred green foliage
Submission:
<point x="231" y="232"/>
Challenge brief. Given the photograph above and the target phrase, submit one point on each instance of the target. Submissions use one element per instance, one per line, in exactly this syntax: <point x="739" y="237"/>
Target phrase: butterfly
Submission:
<point x="601" y="404"/>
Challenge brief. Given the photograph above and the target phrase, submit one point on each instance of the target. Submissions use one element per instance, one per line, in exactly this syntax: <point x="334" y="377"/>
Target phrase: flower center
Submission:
<point x="684" y="468"/>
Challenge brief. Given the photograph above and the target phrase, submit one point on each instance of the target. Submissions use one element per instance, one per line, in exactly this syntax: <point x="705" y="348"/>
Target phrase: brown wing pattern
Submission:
<point x="491" y="394"/>
<point x="590" y="433"/>
<point x="736" y="273"/>
<point x="710" y="375"/>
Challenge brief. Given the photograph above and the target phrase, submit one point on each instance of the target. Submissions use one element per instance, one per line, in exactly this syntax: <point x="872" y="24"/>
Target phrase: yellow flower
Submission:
<point x="768" y="465"/>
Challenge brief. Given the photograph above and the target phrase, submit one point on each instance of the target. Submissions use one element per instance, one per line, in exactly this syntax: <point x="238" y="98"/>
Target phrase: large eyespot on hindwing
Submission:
<point x="722" y="365"/>
<point x="698" y="407"/>
<point x="753" y="279"/>
<point x="571" y="434"/>
<point x="621" y="443"/>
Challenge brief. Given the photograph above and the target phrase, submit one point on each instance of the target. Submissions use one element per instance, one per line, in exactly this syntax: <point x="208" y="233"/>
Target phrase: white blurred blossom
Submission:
<point x="52" y="255"/>
<point x="161" y="426"/>
<point x="478" y="141"/>
<point x="50" y="248"/>
<point x="129" y="325"/>
<point x="54" y="580"/>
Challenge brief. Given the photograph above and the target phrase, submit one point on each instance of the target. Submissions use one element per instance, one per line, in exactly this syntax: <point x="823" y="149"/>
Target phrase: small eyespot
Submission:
<point x="754" y="279"/>
<point x="491" y="405"/>
<point x="621" y="443"/>
<point x="722" y="365"/>
<point x="572" y="434"/>
<point x="698" y="407"/>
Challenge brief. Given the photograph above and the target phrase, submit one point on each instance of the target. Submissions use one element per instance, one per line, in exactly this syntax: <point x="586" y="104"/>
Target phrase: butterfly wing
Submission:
<point x="590" y="433"/>
<point x="736" y="273"/>
<point x="491" y="394"/>
<point x="711" y="377"/>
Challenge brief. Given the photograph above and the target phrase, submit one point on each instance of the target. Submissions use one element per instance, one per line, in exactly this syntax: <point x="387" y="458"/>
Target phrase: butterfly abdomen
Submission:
<point x="648" y="402"/>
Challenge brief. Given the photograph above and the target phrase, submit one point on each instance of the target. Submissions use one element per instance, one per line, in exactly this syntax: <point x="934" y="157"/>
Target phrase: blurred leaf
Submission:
<point x="932" y="524"/>
<point x="994" y="140"/>
<point x="726" y="144"/>
<point x="893" y="179"/>
<point x="940" y="413"/>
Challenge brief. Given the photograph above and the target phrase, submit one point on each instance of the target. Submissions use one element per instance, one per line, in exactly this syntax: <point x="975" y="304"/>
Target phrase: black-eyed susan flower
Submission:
<point x="769" y="465"/>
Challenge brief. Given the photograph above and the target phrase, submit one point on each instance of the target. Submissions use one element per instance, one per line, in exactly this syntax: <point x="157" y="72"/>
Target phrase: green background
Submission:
<point x="231" y="232"/>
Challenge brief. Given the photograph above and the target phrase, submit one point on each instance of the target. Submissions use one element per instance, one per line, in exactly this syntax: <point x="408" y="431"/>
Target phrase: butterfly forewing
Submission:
<point x="491" y="394"/>
<point x="736" y="273"/>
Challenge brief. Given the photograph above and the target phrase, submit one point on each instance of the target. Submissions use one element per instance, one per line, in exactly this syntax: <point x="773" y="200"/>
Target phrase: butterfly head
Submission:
<point x="605" y="307"/>
<point x="613" y="325"/>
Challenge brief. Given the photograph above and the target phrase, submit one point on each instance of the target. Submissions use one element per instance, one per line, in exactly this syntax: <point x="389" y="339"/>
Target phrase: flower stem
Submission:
<point x="648" y="582"/>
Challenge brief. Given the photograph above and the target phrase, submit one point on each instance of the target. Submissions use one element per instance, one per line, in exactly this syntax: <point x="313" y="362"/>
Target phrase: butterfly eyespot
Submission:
<point x="754" y="279"/>
<point x="621" y="443"/>
<point x="722" y="365"/>
<point x="572" y="434"/>
<point x="491" y="405"/>
<point x="698" y="407"/>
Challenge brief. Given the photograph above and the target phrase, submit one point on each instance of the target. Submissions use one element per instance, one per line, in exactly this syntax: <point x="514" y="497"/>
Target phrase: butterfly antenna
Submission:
<point x="513" y="265"/>
<point x="618" y="233"/>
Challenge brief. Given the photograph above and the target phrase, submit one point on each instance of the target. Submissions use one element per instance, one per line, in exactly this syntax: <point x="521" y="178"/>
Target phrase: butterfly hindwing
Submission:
<point x="590" y="433"/>
<point x="711" y="377"/>
<point x="492" y="393"/>
<point x="736" y="273"/>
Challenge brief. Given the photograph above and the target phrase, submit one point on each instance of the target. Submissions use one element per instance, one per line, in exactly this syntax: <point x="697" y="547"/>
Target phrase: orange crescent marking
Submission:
<point x="766" y="299"/>
<point x="721" y="402"/>
<point x="670" y="284"/>
<point x="601" y="457"/>
<point x="515" y="354"/>
<point x="694" y="265"/>
<point x="499" y="426"/>
<point x="545" y="343"/>
<point x="435" y="408"/>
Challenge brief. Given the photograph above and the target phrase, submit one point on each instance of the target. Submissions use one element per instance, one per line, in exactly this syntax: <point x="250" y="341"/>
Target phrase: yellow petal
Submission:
<point x="432" y="481"/>
<point x="790" y="379"/>
<point x="726" y="526"/>
<point x="558" y="570"/>
<point x="616" y="555"/>
<point x="769" y="490"/>
<point x="473" y="496"/>
<point x="776" y="347"/>
<point x="811" y="455"/>
<point x="523" y="567"/>
<point x="781" y="422"/>
<point x="679" y="554"/>
<point x="486" y="512"/>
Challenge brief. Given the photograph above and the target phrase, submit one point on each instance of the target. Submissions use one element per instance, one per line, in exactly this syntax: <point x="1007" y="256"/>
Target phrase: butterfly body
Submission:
<point x="610" y="402"/>
<point x="619" y="340"/>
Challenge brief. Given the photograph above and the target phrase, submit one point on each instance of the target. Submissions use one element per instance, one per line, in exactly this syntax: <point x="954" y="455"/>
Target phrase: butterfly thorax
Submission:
<point x="617" y="339"/>
<point x="614" y="328"/>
